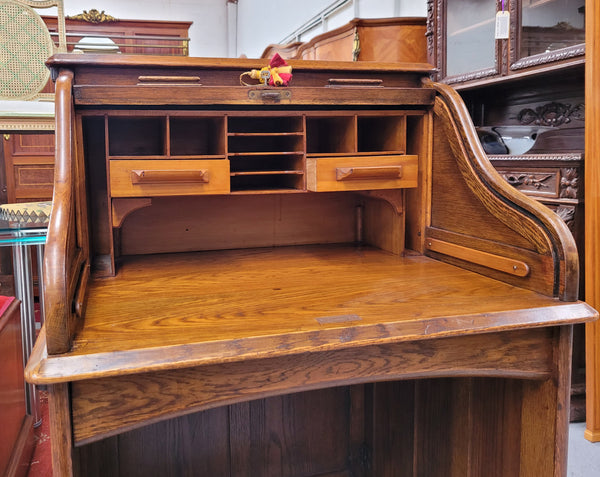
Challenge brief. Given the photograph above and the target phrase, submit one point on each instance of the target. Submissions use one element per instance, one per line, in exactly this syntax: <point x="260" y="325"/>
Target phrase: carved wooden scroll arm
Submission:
<point x="67" y="252"/>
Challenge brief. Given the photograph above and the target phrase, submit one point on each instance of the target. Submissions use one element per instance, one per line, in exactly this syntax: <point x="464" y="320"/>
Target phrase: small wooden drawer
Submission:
<point x="143" y="178"/>
<point x="361" y="172"/>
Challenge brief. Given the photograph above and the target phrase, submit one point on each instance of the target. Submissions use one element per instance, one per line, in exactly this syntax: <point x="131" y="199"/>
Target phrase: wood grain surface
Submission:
<point x="544" y="232"/>
<point x="233" y="305"/>
<point x="100" y="410"/>
<point x="592" y="218"/>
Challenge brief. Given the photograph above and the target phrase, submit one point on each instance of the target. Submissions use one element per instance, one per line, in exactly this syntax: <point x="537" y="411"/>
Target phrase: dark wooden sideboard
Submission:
<point x="313" y="280"/>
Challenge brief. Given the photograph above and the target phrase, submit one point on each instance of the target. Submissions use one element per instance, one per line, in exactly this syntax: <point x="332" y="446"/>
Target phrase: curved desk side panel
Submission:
<point x="67" y="249"/>
<point x="480" y="222"/>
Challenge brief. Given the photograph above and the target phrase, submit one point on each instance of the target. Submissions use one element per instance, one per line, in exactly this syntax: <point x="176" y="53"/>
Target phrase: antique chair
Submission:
<point x="25" y="44"/>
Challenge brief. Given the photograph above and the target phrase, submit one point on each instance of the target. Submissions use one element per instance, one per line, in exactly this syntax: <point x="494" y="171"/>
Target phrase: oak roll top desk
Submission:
<point x="327" y="279"/>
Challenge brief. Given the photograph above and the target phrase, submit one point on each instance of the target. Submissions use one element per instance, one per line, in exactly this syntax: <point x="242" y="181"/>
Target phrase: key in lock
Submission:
<point x="265" y="75"/>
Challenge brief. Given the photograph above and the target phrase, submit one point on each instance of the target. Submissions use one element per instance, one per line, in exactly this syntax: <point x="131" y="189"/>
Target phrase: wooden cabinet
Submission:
<point x="527" y="85"/>
<point x="147" y="37"/>
<point x="556" y="181"/>
<point x="29" y="163"/>
<point x="358" y="285"/>
<point x="399" y="39"/>
<point x="16" y="433"/>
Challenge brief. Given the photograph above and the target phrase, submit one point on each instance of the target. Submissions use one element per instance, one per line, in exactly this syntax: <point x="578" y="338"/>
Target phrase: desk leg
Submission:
<point x="64" y="463"/>
<point x="24" y="292"/>
<point x="41" y="287"/>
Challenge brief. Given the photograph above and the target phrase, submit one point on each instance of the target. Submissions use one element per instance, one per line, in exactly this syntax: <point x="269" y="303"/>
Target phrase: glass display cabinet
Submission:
<point x="470" y="40"/>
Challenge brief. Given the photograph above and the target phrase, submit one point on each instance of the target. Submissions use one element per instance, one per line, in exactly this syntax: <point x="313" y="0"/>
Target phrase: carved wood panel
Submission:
<point x="555" y="180"/>
<point x="560" y="183"/>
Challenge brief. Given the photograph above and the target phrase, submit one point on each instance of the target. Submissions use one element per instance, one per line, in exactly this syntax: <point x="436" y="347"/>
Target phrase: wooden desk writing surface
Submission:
<point x="228" y="264"/>
<point x="234" y="305"/>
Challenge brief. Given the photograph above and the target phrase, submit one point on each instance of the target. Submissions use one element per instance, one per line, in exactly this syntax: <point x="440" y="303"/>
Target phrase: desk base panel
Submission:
<point x="466" y="426"/>
<point x="455" y="420"/>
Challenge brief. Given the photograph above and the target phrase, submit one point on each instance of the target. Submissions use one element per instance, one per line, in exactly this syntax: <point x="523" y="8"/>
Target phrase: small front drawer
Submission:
<point x="361" y="172"/>
<point x="143" y="178"/>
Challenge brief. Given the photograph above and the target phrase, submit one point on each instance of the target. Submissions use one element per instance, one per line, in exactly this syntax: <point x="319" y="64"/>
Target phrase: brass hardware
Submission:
<point x="265" y="75"/>
<point x="93" y="16"/>
<point x="355" y="46"/>
<point x="270" y="95"/>
<point x="6" y="137"/>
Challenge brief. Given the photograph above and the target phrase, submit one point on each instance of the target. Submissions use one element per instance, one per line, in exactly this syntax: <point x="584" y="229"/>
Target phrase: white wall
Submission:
<point x="263" y="22"/>
<point x="208" y="32"/>
<point x="279" y="19"/>
<point x="223" y="29"/>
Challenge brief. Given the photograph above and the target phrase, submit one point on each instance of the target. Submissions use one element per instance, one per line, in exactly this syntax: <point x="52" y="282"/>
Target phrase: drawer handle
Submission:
<point x="355" y="82"/>
<point x="368" y="172"/>
<point x="168" y="79"/>
<point x="159" y="177"/>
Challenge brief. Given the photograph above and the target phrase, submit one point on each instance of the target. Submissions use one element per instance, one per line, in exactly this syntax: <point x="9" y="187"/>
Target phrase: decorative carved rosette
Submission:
<point x="569" y="183"/>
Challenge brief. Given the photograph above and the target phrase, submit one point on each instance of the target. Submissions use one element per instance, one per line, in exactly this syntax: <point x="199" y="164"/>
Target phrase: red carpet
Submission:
<point x="41" y="462"/>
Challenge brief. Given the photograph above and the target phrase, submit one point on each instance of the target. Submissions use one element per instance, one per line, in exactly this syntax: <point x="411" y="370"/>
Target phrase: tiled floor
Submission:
<point x="584" y="456"/>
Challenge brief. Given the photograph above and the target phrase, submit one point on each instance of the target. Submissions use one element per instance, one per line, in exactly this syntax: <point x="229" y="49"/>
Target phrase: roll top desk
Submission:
<point x="326" y="279"/>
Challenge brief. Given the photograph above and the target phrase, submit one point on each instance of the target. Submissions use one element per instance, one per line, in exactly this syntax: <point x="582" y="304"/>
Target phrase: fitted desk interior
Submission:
<point x="327" y="279"/>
